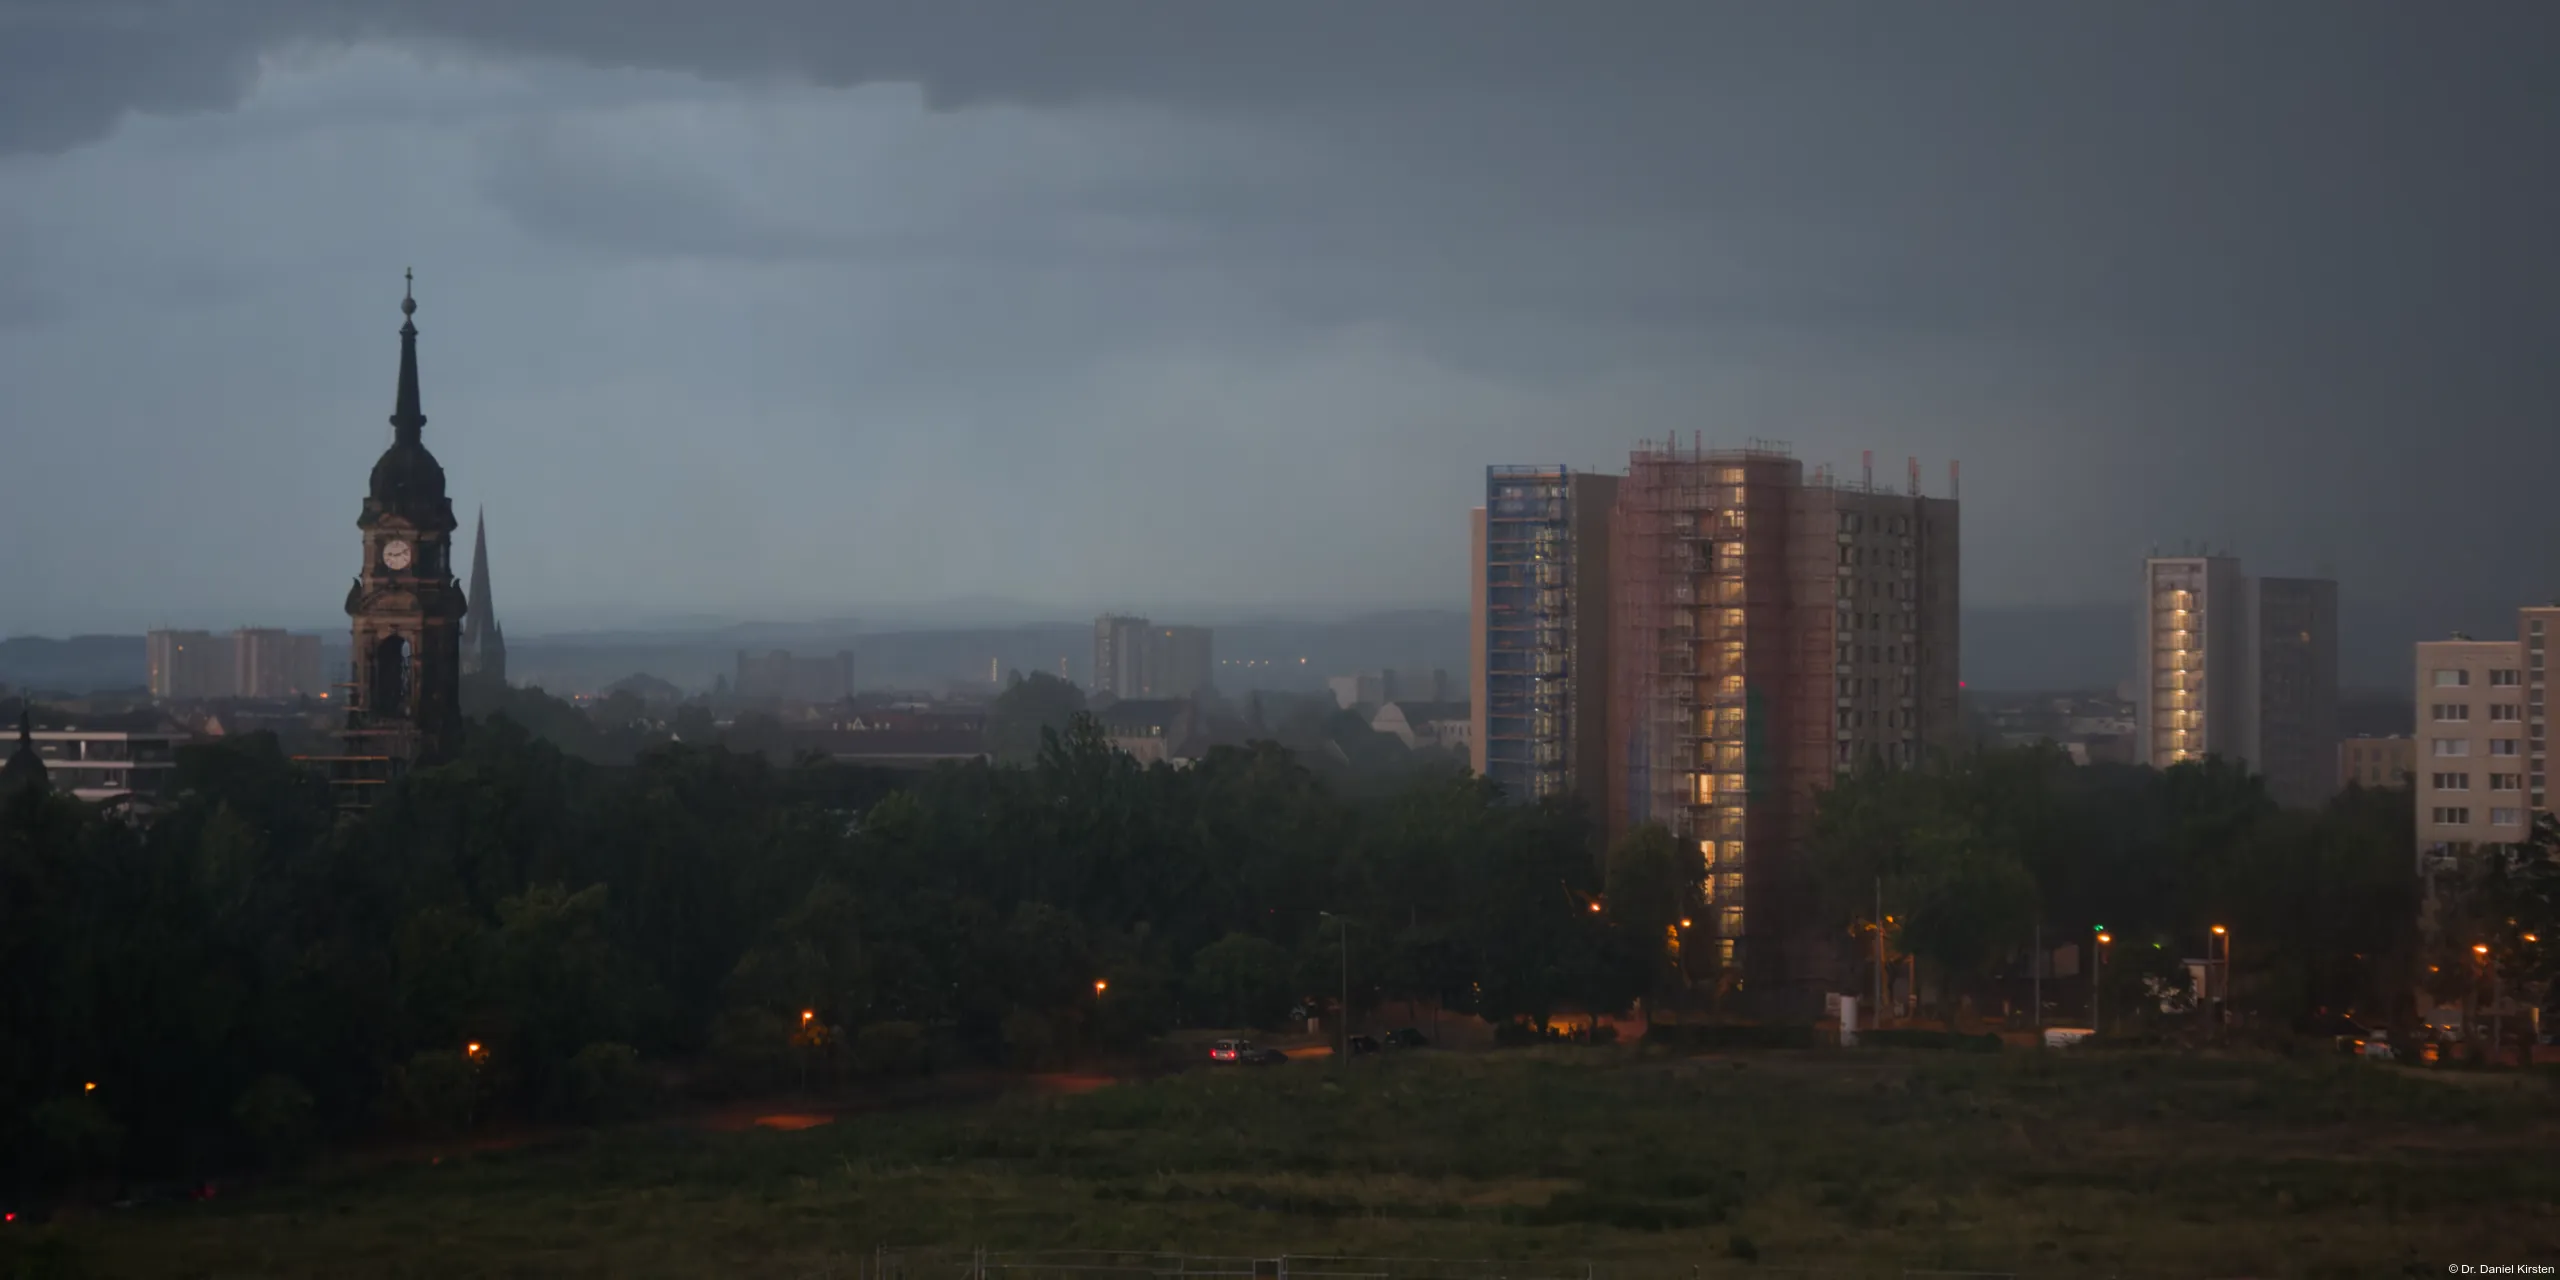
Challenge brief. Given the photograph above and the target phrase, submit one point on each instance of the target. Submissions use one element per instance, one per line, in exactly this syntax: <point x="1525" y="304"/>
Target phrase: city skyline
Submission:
<point x="1076" y="329"/>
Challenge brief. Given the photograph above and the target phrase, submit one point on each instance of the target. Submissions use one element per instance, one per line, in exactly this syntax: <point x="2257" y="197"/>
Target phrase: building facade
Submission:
<point x="187" y="665"/>
<point x="2376" y="763"/>
<point x="2485" y="707"/>
<point x="1135" y="658"/>
<point x="2191" y="698"/>
<point x="2241" y="668"/>
<point x="2293" y="642"/>
<point x="268" y="663"/>
<point x="1540" y="619"/>
<point x="99" y="765"/>
<point x="2470" y="771"/>
<point x="1770" y="632"/>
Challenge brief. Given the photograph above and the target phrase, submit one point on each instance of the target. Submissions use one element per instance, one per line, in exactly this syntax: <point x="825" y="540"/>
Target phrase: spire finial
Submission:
<point x="406" y="419"/>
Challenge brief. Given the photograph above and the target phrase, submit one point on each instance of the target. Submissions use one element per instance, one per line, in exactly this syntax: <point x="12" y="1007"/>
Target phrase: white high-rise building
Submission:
<point x="2482" y="766"/>
<point x="2189" y="701"/>
<point x="2241" y="668"/>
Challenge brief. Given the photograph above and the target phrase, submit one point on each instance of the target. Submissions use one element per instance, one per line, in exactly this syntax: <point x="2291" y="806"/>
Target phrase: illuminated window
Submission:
<point x="1729" y="921"/>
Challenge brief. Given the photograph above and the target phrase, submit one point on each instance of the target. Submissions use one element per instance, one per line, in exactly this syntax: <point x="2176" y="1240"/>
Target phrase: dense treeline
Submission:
<point x="524" y="934"/>
<point x="1975" y="856"/>
<point x="519" y="933"/>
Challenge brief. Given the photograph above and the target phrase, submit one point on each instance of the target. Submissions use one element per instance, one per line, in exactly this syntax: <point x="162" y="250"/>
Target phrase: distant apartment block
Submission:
<point x="187" y="665"/>
<point x="1771" y="631"/>
<point x="2485" y="708"/>
<point x="268" y="663"/>
<point x="2376" y="763"/>
<point x="1377" y="688"/>
<point x="2293" y="637"/>
<point x="2189" y="703"/>
<point x="252" y="662"/>
<point x="783" y="676"/>
<point x="1540" y="620"/>
<point x="2241" y="668"/>
<point x="1135" y="658"/>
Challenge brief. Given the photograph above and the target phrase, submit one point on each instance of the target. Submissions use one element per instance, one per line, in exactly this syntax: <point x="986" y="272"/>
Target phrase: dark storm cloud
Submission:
<point x="2283" y="270"/>
<point x="2355" y="169"/>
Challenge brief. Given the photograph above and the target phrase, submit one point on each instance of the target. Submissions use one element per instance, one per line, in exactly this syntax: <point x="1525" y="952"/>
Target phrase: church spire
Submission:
<point x="405" y="418"/>
<point x="484" y="645"/>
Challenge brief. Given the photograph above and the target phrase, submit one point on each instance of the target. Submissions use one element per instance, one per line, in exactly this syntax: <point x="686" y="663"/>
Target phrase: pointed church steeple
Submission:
<point x="406" y="420"/>
<point x="25" y="767"/>
<point x="484" y="645"/>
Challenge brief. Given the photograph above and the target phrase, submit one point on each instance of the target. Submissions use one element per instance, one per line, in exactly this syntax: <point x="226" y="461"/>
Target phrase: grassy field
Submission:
<point x="2035" y="1163"/>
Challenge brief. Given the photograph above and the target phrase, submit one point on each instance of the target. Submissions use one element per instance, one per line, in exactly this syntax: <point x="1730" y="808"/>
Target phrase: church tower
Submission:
<point x="406" y="608"/>
<point x="484" y="646"/>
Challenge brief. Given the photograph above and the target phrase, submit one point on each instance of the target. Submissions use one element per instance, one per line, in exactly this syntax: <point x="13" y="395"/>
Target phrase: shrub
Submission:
<point x="437" y="1091"/>
<point x="890" y="1049"/>
<point x="606" y="1082"/>
<point x="1732" y="1035"/>
<point x="1925" y="1038"/>
<point x="1031" y="1041"/>
<point x="275" y="1113"/>
<point x="75" y="1135"/>
<point x="750" y="1052"/>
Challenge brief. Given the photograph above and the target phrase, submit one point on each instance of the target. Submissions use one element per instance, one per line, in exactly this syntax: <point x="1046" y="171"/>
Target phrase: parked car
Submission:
<point x="1246" y="1052"/>
<point x="1407" y="1038"/>
<point x="1363" y="1044"/>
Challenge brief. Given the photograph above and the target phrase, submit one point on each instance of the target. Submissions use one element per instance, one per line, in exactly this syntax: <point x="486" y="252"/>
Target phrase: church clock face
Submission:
<point x="396" y="555"/>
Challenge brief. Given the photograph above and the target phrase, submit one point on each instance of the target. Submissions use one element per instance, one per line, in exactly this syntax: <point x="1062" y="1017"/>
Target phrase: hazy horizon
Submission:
<point x="1231" y="304"/>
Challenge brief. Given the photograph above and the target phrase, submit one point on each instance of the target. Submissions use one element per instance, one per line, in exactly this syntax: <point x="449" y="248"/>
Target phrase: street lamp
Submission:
<point x="2098" y="982"/>
<point x="2222" y="1003"/>
<point x="2481" y="950"/>
<point x="1345" y="922"/>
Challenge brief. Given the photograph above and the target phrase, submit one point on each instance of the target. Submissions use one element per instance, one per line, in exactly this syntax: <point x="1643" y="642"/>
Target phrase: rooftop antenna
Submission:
<point x="1915" y="475"/>
<point x="1955" y="483"/>
<point x="1867" y="467"/>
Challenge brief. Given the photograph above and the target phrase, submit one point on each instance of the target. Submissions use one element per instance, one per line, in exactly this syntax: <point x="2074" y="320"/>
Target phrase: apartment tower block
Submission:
<point x="1770" y="632"/>
<point x="1541" y="625"/>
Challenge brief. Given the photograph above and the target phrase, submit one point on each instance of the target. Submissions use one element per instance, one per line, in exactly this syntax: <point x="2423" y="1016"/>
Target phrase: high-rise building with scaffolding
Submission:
<point x="1541" y="626"/>
<point x="1770" y="631"/>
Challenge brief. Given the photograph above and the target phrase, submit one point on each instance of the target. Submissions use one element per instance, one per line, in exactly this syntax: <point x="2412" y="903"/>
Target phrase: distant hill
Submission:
<point x="81" y="664"/>
<point x="2017" y="649"/>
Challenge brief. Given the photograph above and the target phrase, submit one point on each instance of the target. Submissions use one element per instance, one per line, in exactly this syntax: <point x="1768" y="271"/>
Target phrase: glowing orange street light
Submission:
<point x="808" y="1016"/>
<point x="2530" y="938"/>
<point x="2479" y="948"/>
<point x="1684" y="922"/>
<point x="1595" y="908"/>
<point x="2105" y="938"/>
<point x="1100" y="985"/>
<point x="90" y="1087"/>
<point x="2218" y="929"/>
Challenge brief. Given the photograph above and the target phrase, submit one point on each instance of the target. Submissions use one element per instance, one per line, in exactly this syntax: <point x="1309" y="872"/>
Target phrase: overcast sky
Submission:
<point x="807" y="308"/>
